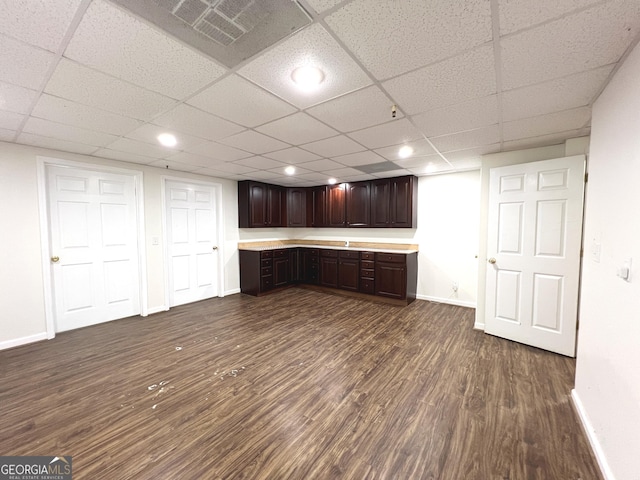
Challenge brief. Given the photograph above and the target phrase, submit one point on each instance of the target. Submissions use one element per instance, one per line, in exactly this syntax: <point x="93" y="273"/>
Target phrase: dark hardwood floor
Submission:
<point x="296" y="385"/>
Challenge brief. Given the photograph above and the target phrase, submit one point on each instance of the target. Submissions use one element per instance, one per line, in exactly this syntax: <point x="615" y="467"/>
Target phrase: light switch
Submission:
<point x="155" y="241"/>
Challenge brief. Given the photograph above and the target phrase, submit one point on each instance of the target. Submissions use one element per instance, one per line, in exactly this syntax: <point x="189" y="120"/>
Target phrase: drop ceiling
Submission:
<point x="105" y="78"/>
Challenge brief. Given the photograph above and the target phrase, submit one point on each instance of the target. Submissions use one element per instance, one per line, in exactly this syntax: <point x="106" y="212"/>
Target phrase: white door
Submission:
<point x="191" y="242"/>
<point x="93" y="246"/>
<point x="534" y="239"/>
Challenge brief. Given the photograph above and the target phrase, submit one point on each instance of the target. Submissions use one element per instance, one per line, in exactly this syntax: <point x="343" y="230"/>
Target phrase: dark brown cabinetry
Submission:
<point x="280" y="268"/>
<point x="260" y="205"/>
<point x="296" y="207"/>
<point x="329" y="268"/>
<point x="396" y="275"/>
<point x="367" y="272"/>
<point x="319" y="206"/>
<point x="394" y="202"/>
<point x="310" y="265"/>
<point x="336" y="212"/>
<point x="349" y="270"/>
<point x="358" y="204"/>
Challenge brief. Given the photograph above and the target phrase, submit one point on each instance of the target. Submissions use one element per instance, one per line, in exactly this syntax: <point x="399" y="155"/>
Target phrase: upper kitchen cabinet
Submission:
<point x="336" y="212"/>
<point x="261" y="205"/>
<point x="394" y="202"/>
<point x="358" y="204"/>
<point x="296" y="207"/>
<point x="318" y="207"/>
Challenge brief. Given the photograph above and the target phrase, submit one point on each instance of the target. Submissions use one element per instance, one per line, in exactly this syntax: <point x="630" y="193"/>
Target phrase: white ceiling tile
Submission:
<point x="321" y="165"/>
<point x="240" y="101"/>
<point x="416" y="162"/>
<point x="233" y="168"/>
<point x="171" y="165"/>
<point x="475" y="113"/>
<point x="449" y="82"/>
<point x="541" y="141"/>
<point x="22" y="64"/>
<point x="42" y="23"/>
<point x="187" y="119"/>
<point x="518" y="14"/>
<point x="123" y="156"/>
<point x="260" y="163"/>
<point x="90" y="87"/>
<point x="210" y="172"/>
<point x="59" y="109"/>
<point x="356" y="178"/>
<point x="140" y="148"/>
<point x="47" y="128"/>
<point x="395" y="132"/>
<point x="217" y="151"/>
<point x="343" y="172"/>
<point x="476" y="152"/>
<point x="394" y="37"/>
<point x="560" y="94"/>
<point x="546" y="124"/>
<point x="149" y="133"/>
<point x="254" y="142"/>
<point x="392" y="173"/>
<point x="361" y="158"/>
<point x="297" y="128"/>
<point x="431" y="167"/>
<point x="298" y="171"/>
<point x="192" y="159"/>
<point x="420" y="148"/>
<point x="571" y="44"/>
<point x="264" y="175"/>
<point x="16" y="99"/>
<point x="7" y="135"/>
<point x="115" y="42"/>
<point x="293" y="155"/>
<point x="464" y="140"/>
<point x="468" y="164"/>
<point x="355" y="111"/>
<point x="317" y="178"/>
<point x="312" y="46"/>
<point x="54" y="143"/>
<point x="330" y="147"/>
<point x="10" y="120"/>
<point x="322" y="5"/>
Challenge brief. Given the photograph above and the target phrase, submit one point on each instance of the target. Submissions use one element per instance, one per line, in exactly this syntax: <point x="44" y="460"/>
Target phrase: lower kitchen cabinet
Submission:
<point x="349" y="270"/>
<point x="280" y="268"/>
<point x="329" y="268"/>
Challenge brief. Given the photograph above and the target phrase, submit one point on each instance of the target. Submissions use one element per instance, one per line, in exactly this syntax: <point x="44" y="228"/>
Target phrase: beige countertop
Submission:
<point x="359" y="247"/>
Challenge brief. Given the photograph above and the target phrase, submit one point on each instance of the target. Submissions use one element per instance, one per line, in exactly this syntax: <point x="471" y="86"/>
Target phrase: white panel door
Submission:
<point x="93" y="245"/>
<point x="191" y="242"/>
<point x="533" y="248"/>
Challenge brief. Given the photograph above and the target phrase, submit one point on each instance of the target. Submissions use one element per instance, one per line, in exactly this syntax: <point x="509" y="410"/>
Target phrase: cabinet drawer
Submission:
<point x="391" y="257"/>
<point x="313" y="251"/>
<point x="280" y="253"/>
<point x="367" y="285"/>
<point x="266" y="254"/>
<point x="266" y="262"/>
<point x="329" y="253"/>
<point x="367" y="263"/>
<point x="314" y="260"/>
<point x="266" y="271"/>
<point x="349" y="254"/>
<point x="367" y="273"/>
<point x="367" y="255"/>
<point x="266" y="283"/>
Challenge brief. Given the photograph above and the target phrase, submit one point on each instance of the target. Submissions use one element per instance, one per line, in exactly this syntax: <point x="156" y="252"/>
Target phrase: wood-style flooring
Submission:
<point x="296" y="385"/>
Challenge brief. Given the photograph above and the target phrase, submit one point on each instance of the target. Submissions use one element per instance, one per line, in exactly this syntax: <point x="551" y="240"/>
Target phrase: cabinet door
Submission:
<point x="329" y="272"/>
<point x="403" y="193"/>
<point x="358" y="204"/>
<point x="281" y="271"/>
<point x="349" y="274"/>
<point x="319" y="208"/>
<point x="336" y="205"/>
<point x="380" y="192"/>
<point x="275" y="206"/>
<point x="391" y="280"/>
<point x="294" y="265"/>
<point x="296" y="207"/>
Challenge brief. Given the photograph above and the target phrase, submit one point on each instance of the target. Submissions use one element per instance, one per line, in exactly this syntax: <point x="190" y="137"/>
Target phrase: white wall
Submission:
<point x="22" y="311"/>
<point x="447" y="236"/>
<point x="607" y="390"/>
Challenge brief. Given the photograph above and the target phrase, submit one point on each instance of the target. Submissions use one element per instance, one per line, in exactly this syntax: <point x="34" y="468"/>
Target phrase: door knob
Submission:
<point x="215" y="248"/>
<point x="55" y="259"/>
<point x="492" y="260"/>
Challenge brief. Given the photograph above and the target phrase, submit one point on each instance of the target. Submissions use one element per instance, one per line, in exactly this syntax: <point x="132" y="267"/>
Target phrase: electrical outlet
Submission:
<point x="454" y="286"/>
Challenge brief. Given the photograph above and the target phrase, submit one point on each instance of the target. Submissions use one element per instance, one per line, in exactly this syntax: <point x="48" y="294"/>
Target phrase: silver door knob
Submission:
<point x="492" y="260"/>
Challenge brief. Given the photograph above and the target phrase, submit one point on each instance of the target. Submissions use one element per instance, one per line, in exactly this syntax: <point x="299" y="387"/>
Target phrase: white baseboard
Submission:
<point x="233" y="291"/>
<point x="161" y="308"/>
<point x="592" y="436"/>
<point x="450" y="301"/>
<point x="16" y="342"/>
<point x="478" y="326"/>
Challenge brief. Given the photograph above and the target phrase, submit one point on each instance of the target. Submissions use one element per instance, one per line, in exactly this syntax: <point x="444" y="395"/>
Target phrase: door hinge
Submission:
<point x="586" y="177"/>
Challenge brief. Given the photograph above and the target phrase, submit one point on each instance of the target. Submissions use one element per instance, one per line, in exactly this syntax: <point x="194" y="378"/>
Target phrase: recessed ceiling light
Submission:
<point x="307" y="78"/>
<point x="332" y="181"/>
<point x="405" y="151"/>
<point x="290" y="170"/>
<point x="167" y="139"/>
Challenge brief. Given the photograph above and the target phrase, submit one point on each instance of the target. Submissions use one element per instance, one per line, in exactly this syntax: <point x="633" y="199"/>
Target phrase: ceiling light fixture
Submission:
<point x="332" y="181"/>
<point x="405" y="151"/>
<point x="167" y="139"/>
<point x="307" y="78"/>
<point x="290" y="170"/>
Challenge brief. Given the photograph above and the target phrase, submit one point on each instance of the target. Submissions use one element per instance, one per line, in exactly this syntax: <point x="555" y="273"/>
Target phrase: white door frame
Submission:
<point x="45" y="244"/>
<point x="217" y="191"/>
